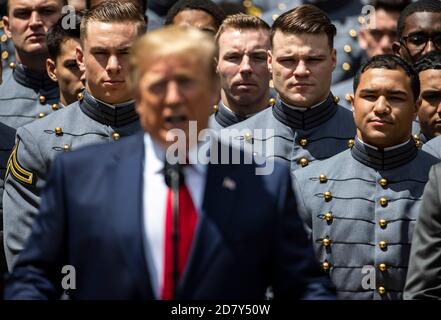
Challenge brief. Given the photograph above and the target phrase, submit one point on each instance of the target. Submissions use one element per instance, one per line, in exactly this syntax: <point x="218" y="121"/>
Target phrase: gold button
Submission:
<point x="327" y="195"/>
<point x="271" y="84"/>
<point x="383" y="182"/>
<point x="216" y="108"/>
<point x="5" y="55"/>
<point x="361" y="20"/>
<point x="58" y="131"/>
<point x="272" y="102"/>
<point x="418" y="144"/>
<point x="55" y="106"/>
<point x="348" y="97"/>
<point x="41" y="114"/>
<point x="416" y="137"/>
<point x="383" y="245"/>
<point x="281" y="6"/>
<point x="381" y="290"/>
<point x="336" y="99"/>
<point x="303" y="142"/>
<point x="12" y="65"/>
<point x="42" y="99"/>
<point x="115" y="136"/>
<point x="80" y="96"/>
<point x="328" y="216"/>
<point x="352" y="33"/>
<point x="326" y="265"/>
<point x="383" y="202"/>
<point x="247" y="3"/>
<point x="347" y="48"/>
<point x="1" y="24"/>
<point x="382" y="267"/>
<point x="326" y="242"/>
<point x="323" y="178"/>
<point x="382" y="223"/>
<point x="303" y="162"/>
<point x="66" y="148"/>
<point x="248" y="137"/>
<point x="346" y="66"/>
<point x="351" y="143"/>
<point x="4" y="38"/>
<point x="275" y="16"/>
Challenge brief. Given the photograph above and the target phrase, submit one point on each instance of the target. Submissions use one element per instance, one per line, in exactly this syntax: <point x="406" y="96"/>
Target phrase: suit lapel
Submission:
<point x="126" y="207"/>
<point x="217" y="205"/>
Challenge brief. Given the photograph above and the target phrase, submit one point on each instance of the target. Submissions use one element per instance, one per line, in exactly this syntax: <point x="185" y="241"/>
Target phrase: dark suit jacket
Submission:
<point x="424" y="273"/>
<point x="91" y="218"/>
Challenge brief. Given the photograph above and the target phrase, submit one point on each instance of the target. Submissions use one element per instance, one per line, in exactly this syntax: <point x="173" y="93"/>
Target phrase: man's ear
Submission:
<point x="270" y="61"/>
<point x="6" y="26"/>
<point x="51" y="69"/>
<point x="351" y="99"/>
<point x="396" y="46"/>
<point x="80" y="58"/>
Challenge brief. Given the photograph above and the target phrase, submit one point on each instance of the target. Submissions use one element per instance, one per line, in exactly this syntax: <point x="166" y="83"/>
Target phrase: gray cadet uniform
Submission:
<point x="360" y="208"/>
<point x="82" y="123"/>
<point x="8" y="49"/>
<point x="26" y="95"/>
<point x="298" y="136"/>
<point x="433" y="146"/>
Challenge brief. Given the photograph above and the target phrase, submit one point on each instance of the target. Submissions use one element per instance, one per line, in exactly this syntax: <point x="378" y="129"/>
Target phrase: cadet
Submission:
<point x="202" y="14"/>
<point x="429" y="101"/>
<point x="27" y="92"/>
<point x="360" y="206"/>
<point x="62" y="65"/>
<point x="306" y="120"/>
<point x="373" y="40"/>
<point x="104" y="113"/>
<point x="419" y="30"/>
<point x="243" y="43"/>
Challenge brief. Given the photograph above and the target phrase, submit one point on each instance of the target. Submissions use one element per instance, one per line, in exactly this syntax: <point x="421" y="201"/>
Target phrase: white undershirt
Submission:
<point x="154" y="196"/>
<point x="385" y="149"/>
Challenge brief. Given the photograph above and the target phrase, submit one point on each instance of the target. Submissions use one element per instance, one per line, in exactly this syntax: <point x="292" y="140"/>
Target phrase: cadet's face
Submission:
<point x="302" y="66"/>
<point x="420" y="23"/>
<point x="105" y="56"/>
<point x="429" y="102"/>
<point x="67" y="71"/>
<point x="379" y="40"/>
<point x="384" y="107"/>
<point x="196" y="18"/>
<point x="243" y="68"/>
<point x="28" y="21"/>
<point x="172" y="91"/>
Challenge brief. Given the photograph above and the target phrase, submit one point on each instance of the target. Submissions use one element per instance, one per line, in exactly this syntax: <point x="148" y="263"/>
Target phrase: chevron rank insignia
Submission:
<point x="19" y="173"/>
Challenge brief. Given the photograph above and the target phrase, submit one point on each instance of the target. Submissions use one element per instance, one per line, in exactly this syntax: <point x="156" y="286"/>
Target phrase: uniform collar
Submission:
<point x="115" y="115"/>
<point x="33" y="79"/>
<point x="225" y="117"/>
<point x="387" y="159"/>
<point x="308" y="119"/>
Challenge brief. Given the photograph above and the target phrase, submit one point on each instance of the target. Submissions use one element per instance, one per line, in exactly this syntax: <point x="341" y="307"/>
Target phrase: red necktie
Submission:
<point x="187" y="223"/>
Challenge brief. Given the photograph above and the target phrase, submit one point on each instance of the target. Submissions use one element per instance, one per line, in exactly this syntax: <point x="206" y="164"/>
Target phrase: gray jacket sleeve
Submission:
<point x="424" y="273"/>
<point x="25" y="177"/>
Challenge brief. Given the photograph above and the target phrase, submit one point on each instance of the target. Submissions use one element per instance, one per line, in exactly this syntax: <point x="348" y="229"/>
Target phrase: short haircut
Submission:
<point x="305" y="19"/>
<point x="205" y="5"/>
<point x="242" y="22"/>
<point x="139" y="3"/>
<point x="390" y="62"/>
<point x="63" y="2"/>
<point x="419" y="6"/>
<point x="171" y="41"/>
<point x="431" y="60"/>
<point x="57" y="34"/>
<point x="113" y="11"/>
<point x="390" y="5"/>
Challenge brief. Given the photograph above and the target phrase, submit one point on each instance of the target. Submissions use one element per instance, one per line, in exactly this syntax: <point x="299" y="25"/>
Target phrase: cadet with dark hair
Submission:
<point x="360" y="206"/>
<point x="104" y="113"/>
<point x="27" y="92"/>
<point x="419" y="30"/>
<point x="62" y="66"/>
<point x="202" y="14"/>
<point x="306" y="123"/>
<point x="241" y="63"/>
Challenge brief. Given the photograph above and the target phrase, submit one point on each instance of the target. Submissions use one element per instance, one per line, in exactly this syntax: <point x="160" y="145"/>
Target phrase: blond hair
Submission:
<point x="171" y="41"/>
<point x="242" y="21"/>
